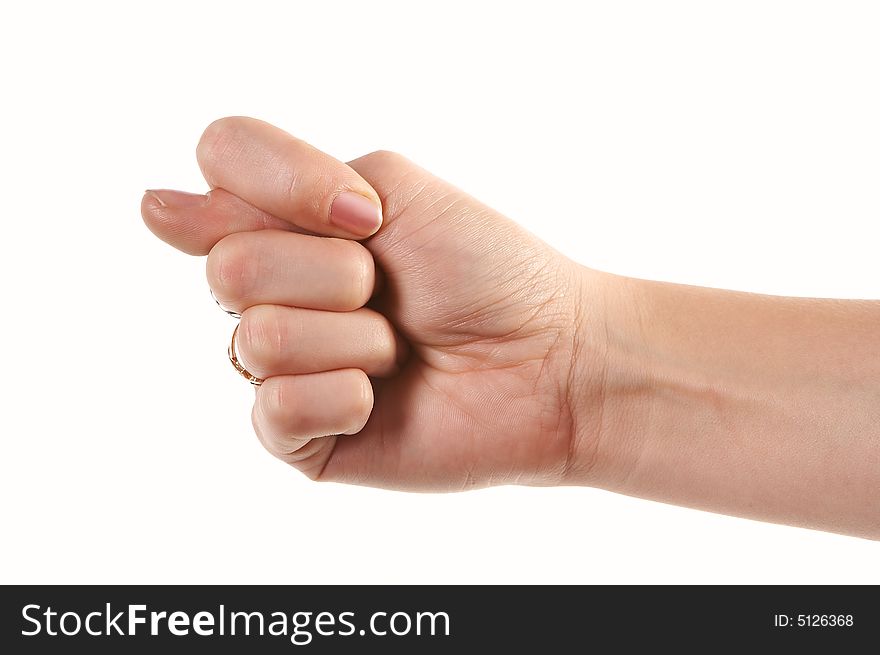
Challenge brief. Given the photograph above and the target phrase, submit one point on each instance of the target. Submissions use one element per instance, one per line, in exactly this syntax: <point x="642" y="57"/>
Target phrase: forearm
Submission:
<point x="758" y="406"/>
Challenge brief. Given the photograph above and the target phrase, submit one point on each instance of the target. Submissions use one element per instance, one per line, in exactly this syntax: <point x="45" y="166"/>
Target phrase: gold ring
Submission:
<point x="250" y="377"/>
<point x="228" y="311"/>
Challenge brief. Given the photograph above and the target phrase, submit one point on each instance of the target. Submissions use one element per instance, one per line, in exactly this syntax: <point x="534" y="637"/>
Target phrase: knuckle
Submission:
<point x="383" y="341"/>
<point x="263" y="338"/>
<point x="359" y="272"/>
<point x="409" y="181"/>
<point x="217" y="138"/>
<point x="230" y="273"/>
<point x="361" y="399"/>
<point x="274" y="403"/>
<point x="296" y="191"/>
<point x="277" y="407"/>
<point x="275" y="423"/>
<point x="386" y="158"/>
<point x="291" y="422"/>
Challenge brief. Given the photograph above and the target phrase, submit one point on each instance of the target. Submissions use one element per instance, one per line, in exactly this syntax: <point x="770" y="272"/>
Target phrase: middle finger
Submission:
<point x="275" y="267"/>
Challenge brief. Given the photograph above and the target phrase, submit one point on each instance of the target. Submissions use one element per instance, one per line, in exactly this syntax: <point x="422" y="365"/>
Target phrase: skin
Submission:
<point x="452" y="349"/>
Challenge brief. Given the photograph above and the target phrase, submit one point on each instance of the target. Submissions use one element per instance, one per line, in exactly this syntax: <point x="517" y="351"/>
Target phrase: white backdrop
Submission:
<point x="726" y="144"/>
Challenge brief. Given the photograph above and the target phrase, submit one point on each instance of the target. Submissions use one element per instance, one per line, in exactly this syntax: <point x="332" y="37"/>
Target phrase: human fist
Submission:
<point x="445" y="351"/>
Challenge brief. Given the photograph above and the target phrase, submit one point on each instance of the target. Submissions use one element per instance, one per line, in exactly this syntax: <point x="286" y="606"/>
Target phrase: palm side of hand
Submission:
<point x="489" y="313"/>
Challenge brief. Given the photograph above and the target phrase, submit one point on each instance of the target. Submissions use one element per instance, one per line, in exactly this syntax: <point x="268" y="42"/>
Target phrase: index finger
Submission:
<point x="288" y="178"/>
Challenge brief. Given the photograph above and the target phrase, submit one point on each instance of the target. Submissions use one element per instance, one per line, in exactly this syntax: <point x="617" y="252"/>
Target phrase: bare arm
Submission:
<point x="759" y="406"/>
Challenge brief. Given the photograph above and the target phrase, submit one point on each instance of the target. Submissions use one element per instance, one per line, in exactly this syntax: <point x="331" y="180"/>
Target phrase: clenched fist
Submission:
<point x="442" y="352"/>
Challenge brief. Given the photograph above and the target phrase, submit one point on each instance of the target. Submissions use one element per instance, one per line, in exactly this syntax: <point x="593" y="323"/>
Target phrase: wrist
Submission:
<point x="611" y="382"/>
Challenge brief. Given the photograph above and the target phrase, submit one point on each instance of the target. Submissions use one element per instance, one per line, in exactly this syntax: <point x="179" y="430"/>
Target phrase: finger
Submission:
<point x="272" y="267"/>
<point x="194" y="222"/>
<point x="288" y="178"/>
<point x="275" y="340"/>
<point x="292" y="412"/>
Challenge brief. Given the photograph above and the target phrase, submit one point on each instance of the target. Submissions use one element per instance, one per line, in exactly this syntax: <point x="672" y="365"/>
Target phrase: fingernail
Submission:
<point x="175" y="199"/>
<point x="155" y="197"/>
<point x="356" y="213"/>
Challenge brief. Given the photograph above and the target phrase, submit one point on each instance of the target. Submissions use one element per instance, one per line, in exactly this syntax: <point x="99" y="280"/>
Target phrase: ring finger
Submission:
<point x="274" y="340"/>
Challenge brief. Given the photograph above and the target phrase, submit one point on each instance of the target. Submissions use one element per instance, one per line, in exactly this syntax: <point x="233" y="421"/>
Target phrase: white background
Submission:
<point x="728" y="144"/>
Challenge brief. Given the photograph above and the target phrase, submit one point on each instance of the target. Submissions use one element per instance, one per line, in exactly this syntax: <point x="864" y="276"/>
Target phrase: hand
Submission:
<point x="479" y="372"/>
<point x="452" y="349"/>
